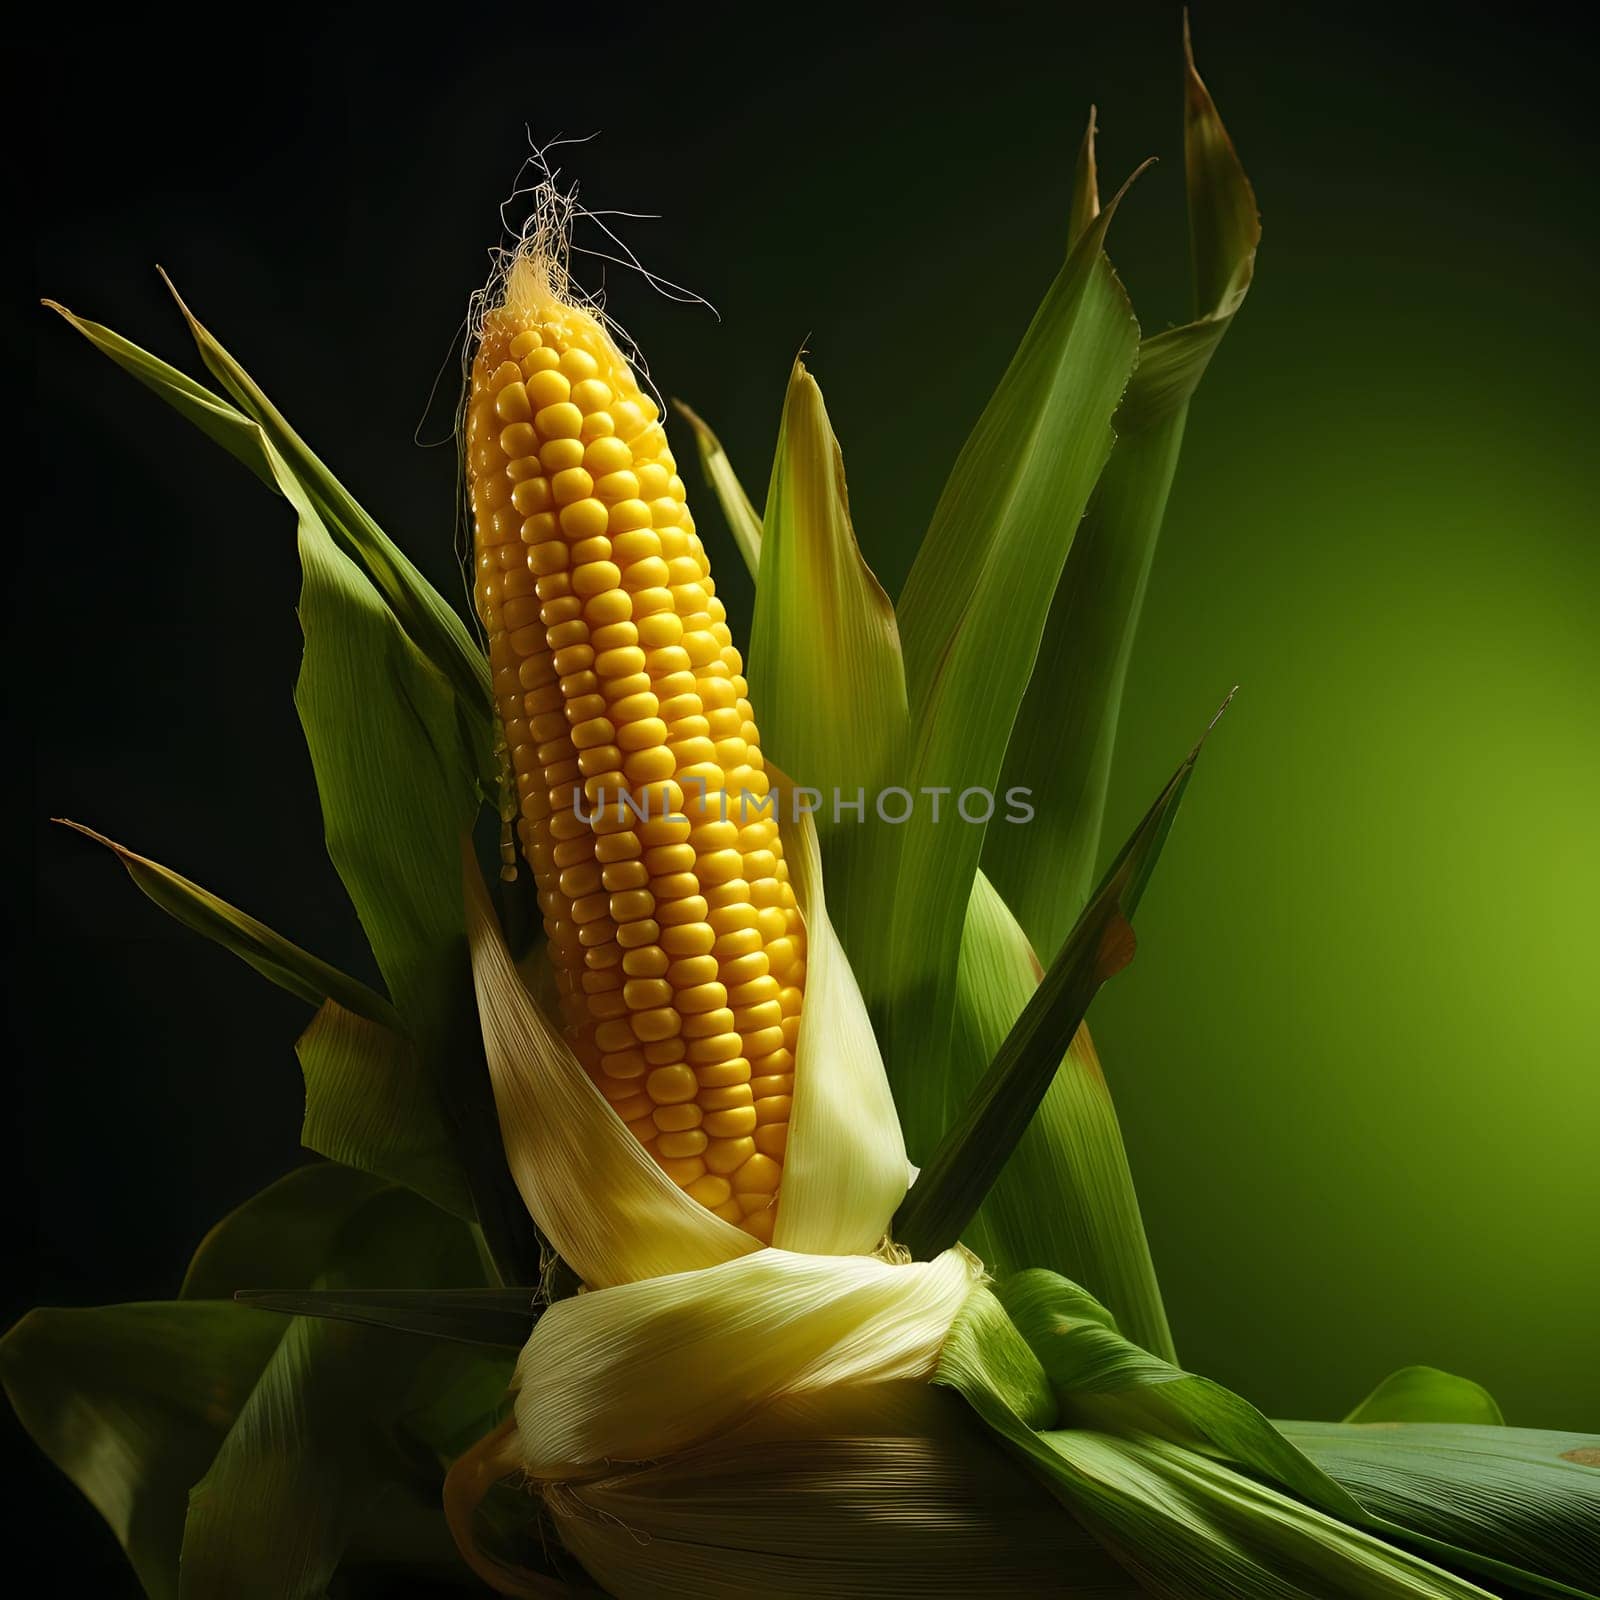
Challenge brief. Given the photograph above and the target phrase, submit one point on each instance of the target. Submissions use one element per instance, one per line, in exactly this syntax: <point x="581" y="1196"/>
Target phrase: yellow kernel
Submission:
<point x="591" y="394"/>
<point x="703" y="1024"/>
<point x="596" y="425"/>
<point x="538" y="360"/>
<point x="725" y="1075"/>
<point x="661" y="1024"/>
<point x="556" y="455"/>
<point x="650" y="766"/>
<point x="607" y="609"/>
<point x="711" y="1191"/>
<point x="674" y="1119"/>
<point x="759" y="1175"/>
<point x="547" y="388"/>
<point x="623" y="846"/>
<point x="726" y="1099"/>
<point x="623" y="1064"/>
<point x="718" y="1047"/>
<point x="761" y="1224"/>
<point x="583" y="519"/>
<point x="607" y="455"/>
<point x="620" y="663"/>
<point x="616" y="1036"/>
<point x="523" y="344"/>
<point x="691" y="939"/>
<point x="745" y="969"/>
<point x="693" y="971"/>
<point x="594" y="576"/>
<point x="659" y="629"/>
<point x="532" y="494"/>
<point x="719" y="867"/>
<point x="754" y="992"/>
<point x="772" y="1139"/>
<point x="578" y="364"/>
<point x="688" y="1143"/>
<point x="676" y="885"/>
<point x="643" y="994"/>
<point x="684" y="1172"/>
<point x="648" y="961"/>
<point x="635" y="935"/>
<point x="565" y="421"/>
<point x="628" y="515"/>
<point x="635" y="707"/>
<point x="632" y="904"/>
<point x="643" y="734"/>
<point x="725" y="1155"/>
<point x="614" y="486"/>
<point x="740" y="942"/>
<point x="773" y="1108"/>
<point x="571" y="484"/>
<point x="690" y="909"/>
<point x="671" y="1085"/>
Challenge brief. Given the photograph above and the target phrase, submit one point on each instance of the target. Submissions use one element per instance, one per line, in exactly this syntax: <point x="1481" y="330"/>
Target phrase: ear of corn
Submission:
<point x="604" y="1202"/>
<point x="640" y="787"/>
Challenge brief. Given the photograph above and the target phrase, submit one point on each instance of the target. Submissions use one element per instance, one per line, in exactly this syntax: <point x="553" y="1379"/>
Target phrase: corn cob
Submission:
<point x="642" y="805"/>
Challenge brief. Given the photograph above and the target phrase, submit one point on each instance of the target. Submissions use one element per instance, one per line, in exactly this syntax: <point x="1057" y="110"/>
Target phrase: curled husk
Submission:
<point x="888" y="1489"/>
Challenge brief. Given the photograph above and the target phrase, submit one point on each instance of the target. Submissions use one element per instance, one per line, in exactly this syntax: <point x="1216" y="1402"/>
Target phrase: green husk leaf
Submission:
<point x="132" y="1402"/>
<point x="1106" y="1383"/>
<point x="426" y="617"/>
<point x="1072" y="1151"/>
<point x="500" y="1317"/>
<point x="1520" y="1505"/>
<point x="1085" y="204"/>
<point x="213" y="416"/>
<point x="970" y="619"/>
<point x="1061" y="747"/>
<point x="1185" y="1525"/>
<point x="273" y="956"/>
<point x="397" y="796"/>
<point x="825" y="663"/>
<point x="370" y="1105"/>
<point x="284" y="1234"/>
<point x="1073" y="1148"/>
<point x="975" y="1147"/>
<point x="744" y="521"/>
<point x="311" y="1452"/>
<point x="1425" y="1394"/>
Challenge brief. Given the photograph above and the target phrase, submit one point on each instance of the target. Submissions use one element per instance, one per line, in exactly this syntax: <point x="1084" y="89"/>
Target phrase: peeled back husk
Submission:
<point x="887" y="1489"/>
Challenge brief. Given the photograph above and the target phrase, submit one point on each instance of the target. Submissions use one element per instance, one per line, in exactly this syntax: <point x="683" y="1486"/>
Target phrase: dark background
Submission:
<point x="1357" y="1058"/>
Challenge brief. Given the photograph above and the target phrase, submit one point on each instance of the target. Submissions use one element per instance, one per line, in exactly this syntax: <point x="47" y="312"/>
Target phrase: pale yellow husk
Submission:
<point x="604" y="1204"/>
<point x="645" y="1369"/>
<point x="885" y="1490"/>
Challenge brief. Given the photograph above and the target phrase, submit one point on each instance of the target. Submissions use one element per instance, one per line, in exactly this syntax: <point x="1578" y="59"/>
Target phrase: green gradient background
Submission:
<point x="1356" y="1059"/>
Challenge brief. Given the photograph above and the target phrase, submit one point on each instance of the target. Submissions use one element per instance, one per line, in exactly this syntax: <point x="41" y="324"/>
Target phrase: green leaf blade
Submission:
<point x="825" y="668"/>
<point x="1062" y="744"/>
<point x="971" y="616"/>
<point x="744" y="521"/>
<point x="371" y="1105"/>
<point x="398" y="795"/>
<point x="1425" y="1394"/>
<point x="502" y="1318"/>
<point x="976" y="1146"/>
<point x="274" y="957"/>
